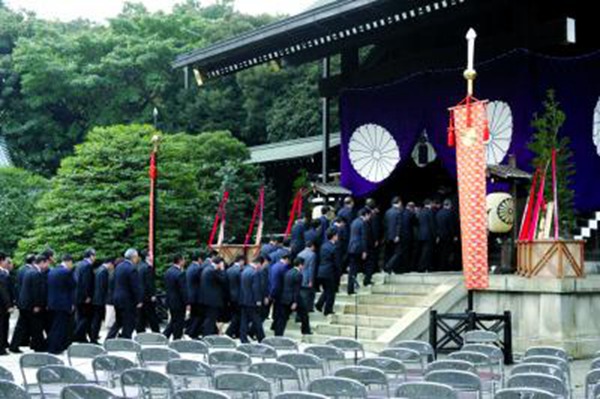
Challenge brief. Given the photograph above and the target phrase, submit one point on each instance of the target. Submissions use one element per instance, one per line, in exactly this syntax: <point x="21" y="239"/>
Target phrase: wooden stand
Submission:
<point x="551" y="258"/>
<point x="230" y="251"/>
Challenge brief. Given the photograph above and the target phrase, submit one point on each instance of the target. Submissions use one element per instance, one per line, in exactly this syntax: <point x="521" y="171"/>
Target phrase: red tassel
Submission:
<point x="451" y="132"/>
<point x="486" y="133"/>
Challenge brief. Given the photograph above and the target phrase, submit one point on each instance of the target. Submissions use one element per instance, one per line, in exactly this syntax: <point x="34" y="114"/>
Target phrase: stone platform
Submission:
<point x="547" y="311"/>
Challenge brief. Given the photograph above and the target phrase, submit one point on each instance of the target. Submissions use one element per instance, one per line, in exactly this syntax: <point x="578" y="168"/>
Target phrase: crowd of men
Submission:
<point x="63" y="303"/>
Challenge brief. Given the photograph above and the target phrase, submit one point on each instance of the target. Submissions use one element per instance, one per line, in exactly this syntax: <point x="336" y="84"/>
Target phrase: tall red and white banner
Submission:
<point x="153" y="172"/>
<point x="469" y="132"/>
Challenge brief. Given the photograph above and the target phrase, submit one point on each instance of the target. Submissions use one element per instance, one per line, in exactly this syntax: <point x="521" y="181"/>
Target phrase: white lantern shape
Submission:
<point x="501" y="212"/>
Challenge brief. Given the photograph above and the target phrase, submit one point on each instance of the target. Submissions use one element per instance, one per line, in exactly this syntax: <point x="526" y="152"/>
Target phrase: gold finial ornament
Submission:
<point x="156" y="141"/>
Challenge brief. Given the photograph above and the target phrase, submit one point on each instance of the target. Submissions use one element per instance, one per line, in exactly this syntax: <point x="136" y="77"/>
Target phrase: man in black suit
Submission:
<point x="326" y="273"/>
<point x="34" y="299"/>
<point x="426" y="237"/>
<point x="297" y="235"/>
<point x="147" y="314"/>
<point x="374" y="229"/>
<point x="177" y="300"/>
<point x="61" y="287"/>
<point x="447" y="233"/>
<point x="212" y="284"/>
<point x="391" y="223"/>
<point x="234" y="274"/>
<point x="84" y="293"/>
<point x="7" y="300"/>
<point x="291" y="299"/>
<point x="22" y="331"/>
<point x="127" y="296"/>
<point x="357" y="247"/>
<point x="252" y="296"/>
<point x="101" y="295"/>
<point x="193" y="276"/>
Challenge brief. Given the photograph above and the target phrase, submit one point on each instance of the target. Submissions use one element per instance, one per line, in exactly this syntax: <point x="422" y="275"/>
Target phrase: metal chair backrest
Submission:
<point x="595" y="364"/>
<point x="425" y="390"/>
<point x="479" y="360"/>
<point x="122" y="345"/>
<point x="299" y="395"/>
<point x="157" y="355"/>
<point x="219" y="342"/>
<point x="592" y="378"/>
<point x="276" y="371"/>
<point x="451" y="364"/>
<point x="60" y="375"/>
<point x="34" y="361"/>
<point x="596" y="392"/>
<point x="10" y="390"/>
<point x="86" y="391"/>
<point x="481" y="337"/>
<point x="190" y="347"/>
<point x="557" y="361"/>
<point x="539" y="368"/>
<point x="242" y="382"/>
<point x="523" y="393"/>
<point x="365" y="375"/>
<point x="258" y="351"/>
<point x="347" y="345"/>
<point x="491" y="351"/>
<point x="83" y="351"/>
<point x="405" y="355"/>
<point x="385" y="364"/>
<point x="185" y="370"/>
<point x="6" y="375"/>
<point x="459" y="380"/>
<point x="338" y="387"/>
<point x="424" y="348"/>
<point x="540" y="381"/>
<point x="200" y="394"/>
<point x="155" y="339"/>
<point x="281" y="343"/>
<point x="229" y="359"/>
<point x="147" y="381"/>
<point x="112" y="365"/>
<point x="547" y="351"/>
<point x="301" y="361"/>
<point x="325" y="352"/>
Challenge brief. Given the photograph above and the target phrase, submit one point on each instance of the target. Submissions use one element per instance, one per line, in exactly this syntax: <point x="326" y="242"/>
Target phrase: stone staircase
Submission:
<point x="395" y="307"/>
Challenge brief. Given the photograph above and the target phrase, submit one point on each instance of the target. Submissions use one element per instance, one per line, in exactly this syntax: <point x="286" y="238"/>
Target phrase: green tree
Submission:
<point x="99" y="196"/>
<point x="19" y="192"/>
<point x="546" y="137"/>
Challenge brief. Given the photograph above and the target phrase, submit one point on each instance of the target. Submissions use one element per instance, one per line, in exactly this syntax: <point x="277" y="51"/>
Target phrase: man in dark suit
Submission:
<point x="127" y="296"/>
<point x="357" y="247"/>
<point x="297" y="235"/>
<point x="341" y="249"/>
<point x="61" y="289"/>
<point x="84" y="293"/>
<point x="269" y="247"/>
<point x="263" y="275"/>
<point x="7" y="300"/>
<point x="100" y="299"/>
<point x="212" y="284"/>
<point x="347" y="212"/>
<point x="291" y="299"/>
<point x="147" y="314"/>
<point x="276" y="273"/>
<point x="323" y="223"/>
<point x="193" y="276"/>
<point x="309" y="259"/>
<point x="391" y="223"/>
<point x="22" y="331"/>
<point x="177" y="300"/>
<point x="327" y="273"/>
<point x="426" y="237"/>
<point x="234" y="274"/>
<point x="447" y="233"/>
<point x="34" y="299"/>
<point x="374" y="230"/>
<point x="283" y="249"/>
<point x="251" y="300"/>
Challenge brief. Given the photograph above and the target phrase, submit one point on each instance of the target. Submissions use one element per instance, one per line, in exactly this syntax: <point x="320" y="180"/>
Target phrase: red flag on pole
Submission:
<point x="152" y="213"/>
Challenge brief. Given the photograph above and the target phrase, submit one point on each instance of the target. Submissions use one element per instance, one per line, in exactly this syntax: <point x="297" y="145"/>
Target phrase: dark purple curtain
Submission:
<point x="519" y="78"/>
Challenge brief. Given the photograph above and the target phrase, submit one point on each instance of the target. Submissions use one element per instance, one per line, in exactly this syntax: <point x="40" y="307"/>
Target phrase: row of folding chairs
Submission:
<point x="592" y="379"/>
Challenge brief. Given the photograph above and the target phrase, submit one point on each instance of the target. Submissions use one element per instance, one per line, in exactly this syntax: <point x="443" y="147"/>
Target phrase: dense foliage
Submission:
<point x="19" y="192"/>
<point x="99" y="196"/>
<point x="59" y="80"/>
<point x="546" y="137"/>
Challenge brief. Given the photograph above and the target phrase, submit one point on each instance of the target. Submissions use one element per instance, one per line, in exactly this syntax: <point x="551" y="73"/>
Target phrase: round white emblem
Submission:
<point x="501" y="130"/>
<point x="373" y="152"/>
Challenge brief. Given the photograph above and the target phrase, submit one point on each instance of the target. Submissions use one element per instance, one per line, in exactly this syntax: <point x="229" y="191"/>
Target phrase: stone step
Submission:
<point x="376" y="310"/>
<point x="363" y="321"/>
<point x="391" y="300"/>
<point x="403" y="289"/>
<point x="337" y="330"/>
<point x="423" y="278"/>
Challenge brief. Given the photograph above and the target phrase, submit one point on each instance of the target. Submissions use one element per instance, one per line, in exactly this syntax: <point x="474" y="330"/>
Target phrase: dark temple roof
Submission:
<point x="313" y="34"/>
